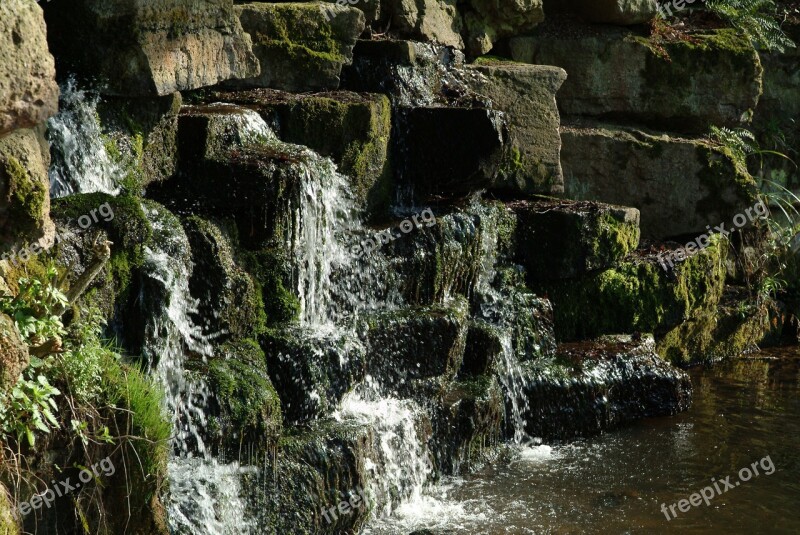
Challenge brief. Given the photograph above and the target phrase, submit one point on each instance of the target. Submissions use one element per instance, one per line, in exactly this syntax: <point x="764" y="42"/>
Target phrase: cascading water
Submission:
<point x="80" y="161"/>
<point x="204" y="493"/>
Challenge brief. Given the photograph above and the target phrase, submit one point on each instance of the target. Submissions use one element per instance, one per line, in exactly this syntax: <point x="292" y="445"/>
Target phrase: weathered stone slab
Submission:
<point x="300" y="46"/>
<point x="24" y="190"/>
<point x="565" y="239"/>
<point x="679" y="185"/>
<point x="448" y="152"/>
<point x="616" y="74"/>
<point x="487" y="21"/>
<point x="28" y="90"/>
<point x="150" y="47"/>
<point x="527" y="95"/>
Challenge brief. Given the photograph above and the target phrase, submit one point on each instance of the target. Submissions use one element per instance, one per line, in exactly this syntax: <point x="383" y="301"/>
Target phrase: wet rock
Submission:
<point x="13" y="354"/>
<point x="417" y="343"/>
<point x="24" y="192"/>
<point x="300" y="46"/>
<point x="680" y="185"/>
<point x="148" y="48"/>
<point x="565" y="239"/>
<point x="230" y="305"/>
<point x="526" y="94"/>
<point x="311" y="371"/>
<point x="467" y="424"/>
<point x="643" y="293"/>
<point x="592" y="387"/>
<point x="411" y="73"/>
<point x="28" y="90"/>
<point x="244" y="411"/>
<point x="482" y="349"/>
<point x="448" y="152"/>
<point x="350" y="128"/>
<point x="615" y="74"/>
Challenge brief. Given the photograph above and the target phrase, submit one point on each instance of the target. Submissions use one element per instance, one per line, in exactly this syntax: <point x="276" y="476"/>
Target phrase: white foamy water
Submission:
<point x="80" y="161"/>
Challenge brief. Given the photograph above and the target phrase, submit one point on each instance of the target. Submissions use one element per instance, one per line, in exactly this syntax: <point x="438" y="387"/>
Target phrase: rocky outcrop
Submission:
<point x="437" y="21"/>
<point x="622" y="376"/>
<point x="353" y="129"/>
<point x="622" y="12"/>
<point x="564" y="239"/>
<point x="24" y="191"/>
<point x="300" y="46"/>
<point x="527" y="95"/>
<point x="149" y="48"/>
<point x="13" y="353"/>
<point x="617" y="74"/>
<point x="680" y="185"/>
<point x="28" y="91"/>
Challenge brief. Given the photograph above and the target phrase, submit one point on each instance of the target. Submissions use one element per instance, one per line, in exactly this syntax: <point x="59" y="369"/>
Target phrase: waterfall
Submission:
<point x="80" y="161"/>
<point x="204" y="494"/>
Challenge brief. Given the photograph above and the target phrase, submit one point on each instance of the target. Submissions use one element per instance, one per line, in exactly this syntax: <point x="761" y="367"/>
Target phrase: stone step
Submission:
<point x="618" y="74"/>
<point x="559" y="239"/>
<point x="680" y="185"/>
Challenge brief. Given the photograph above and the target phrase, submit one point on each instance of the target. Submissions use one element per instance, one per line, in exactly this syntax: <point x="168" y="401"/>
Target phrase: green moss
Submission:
<point x="272" y="275"/>
<point x="489" y="59"/>
<point x="27" y="195"/>
<point x="614" y="238"/>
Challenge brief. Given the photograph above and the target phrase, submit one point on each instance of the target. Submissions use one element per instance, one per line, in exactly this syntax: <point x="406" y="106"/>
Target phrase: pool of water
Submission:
<point x="744" y="412"/>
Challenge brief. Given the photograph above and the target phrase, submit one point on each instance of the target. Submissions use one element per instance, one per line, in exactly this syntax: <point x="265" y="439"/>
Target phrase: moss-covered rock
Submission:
<point x="351" y="128"/>
<point x="565" y="239"/>
<point x="681" y="186"/>
<point x="271" y="272"/>
<point x="148" y="48"/>
<point x="245" y="410"/>
<point x="617" y="74"/>
<point x="230" y="305"/>
<point x="526" y="93"/>
<point x="639" y="295"/>
<point x="28" y="91"/>
<point x="24" y="191"/>
<point x="301" y="46"/>
<point x="8" y="523"/>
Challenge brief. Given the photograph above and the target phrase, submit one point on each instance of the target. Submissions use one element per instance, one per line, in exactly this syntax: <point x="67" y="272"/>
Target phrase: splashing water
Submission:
<point x="204" y="494"/>
<point x="80" y="161"/>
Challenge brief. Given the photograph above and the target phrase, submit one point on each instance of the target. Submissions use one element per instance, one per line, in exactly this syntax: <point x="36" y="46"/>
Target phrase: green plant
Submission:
<point x="33" y="309"/>
<point x="754" y="18"/>
<point x="27" y="408"/>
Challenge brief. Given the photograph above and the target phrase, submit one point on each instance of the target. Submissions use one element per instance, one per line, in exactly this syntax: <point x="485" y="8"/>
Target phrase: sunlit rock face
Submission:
<point x="149" y="48"/>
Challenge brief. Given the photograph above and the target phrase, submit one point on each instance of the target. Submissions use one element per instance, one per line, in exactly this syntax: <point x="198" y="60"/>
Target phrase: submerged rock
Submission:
<point x="596" y="386"/>
<point x="300" y="46"/>
<point x="28" y="90"/>
<point x="149" y="47"/>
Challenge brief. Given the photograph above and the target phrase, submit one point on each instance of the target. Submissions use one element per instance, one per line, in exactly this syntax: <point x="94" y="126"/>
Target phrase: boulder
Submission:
<point x="28" y="90"/>
<point x="680" y="185"/>
<point x="566" y="239"/>
<point x="527" y="95"/>
<point x="13" y="354"/>
<point x="486" y="22"/>
<point x="437" y="21"/>
<point x="24" y="191"/>
<point x="643" y="293"/>
<point x="300" y="46"/>
<point x="448" y="152"/>
<point x="617" y="74"/>
<point x="352" y="129"/>
<point x="149" y="47"/>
